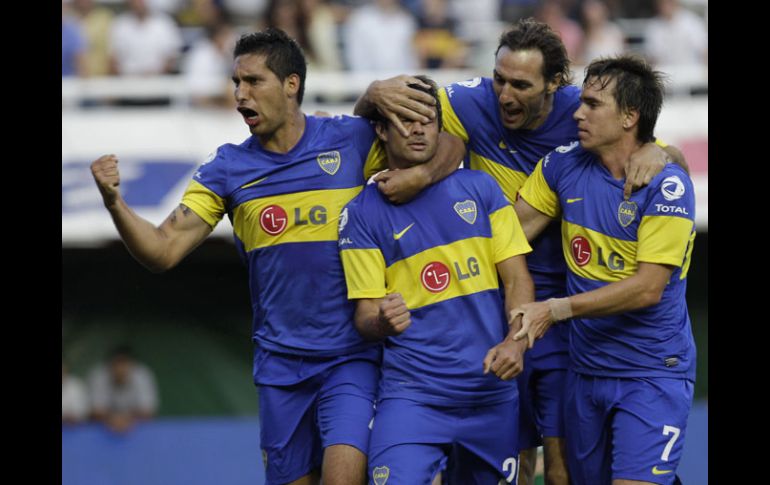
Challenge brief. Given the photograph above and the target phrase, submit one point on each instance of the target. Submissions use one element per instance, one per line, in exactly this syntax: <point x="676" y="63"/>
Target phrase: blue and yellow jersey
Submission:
<point x="284" y="209"/>
<point x="439" y="251"/>
<point x="604" y="239"/>
<point x="471" y="112"/>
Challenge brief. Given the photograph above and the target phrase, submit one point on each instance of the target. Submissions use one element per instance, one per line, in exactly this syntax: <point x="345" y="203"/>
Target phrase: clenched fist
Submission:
<point x="107" y="177"/>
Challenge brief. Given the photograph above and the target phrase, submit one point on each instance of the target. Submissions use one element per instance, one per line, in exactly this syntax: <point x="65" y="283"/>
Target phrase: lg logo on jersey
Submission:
<point x="273" y="219"/>
<point x="435" y="276"/>
<point x="582" y="252"/>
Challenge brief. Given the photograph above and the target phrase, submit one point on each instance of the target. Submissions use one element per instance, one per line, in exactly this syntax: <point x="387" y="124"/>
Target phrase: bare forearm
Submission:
<point x="144" y="241"/>
<point x="618" y="297"/>
<point x="367" y="323"/>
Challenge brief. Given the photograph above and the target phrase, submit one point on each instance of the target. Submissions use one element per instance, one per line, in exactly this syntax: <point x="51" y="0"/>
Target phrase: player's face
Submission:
<point x="262" y="99"/>
<point x="600" y="122"/>
<point x="523" y="95"/>
<point x="417" y="148"/>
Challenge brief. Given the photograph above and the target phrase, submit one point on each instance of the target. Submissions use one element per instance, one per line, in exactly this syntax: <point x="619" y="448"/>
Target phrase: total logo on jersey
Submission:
<point x="672" y="188"/>
<point x="436" y="276"/>
<point x="273" y="219"/>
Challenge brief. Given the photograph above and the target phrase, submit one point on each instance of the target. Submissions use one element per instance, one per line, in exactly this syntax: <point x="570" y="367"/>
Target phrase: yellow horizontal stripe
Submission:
<point x="539" y="195"/>
<point x="664" y="239"/>
<point x="660" y="143"/>
<point x="310" y="217"/>
<point x="208" y="205"/>
<point x="376" y="160"/>
<point x="507" y="235"/>
<point x="509" y="180"/>
<point x="466" y="277"/>
<point x="364" y="272"/>
<point x="611" y="259"/>
<point x="451" y="122"/>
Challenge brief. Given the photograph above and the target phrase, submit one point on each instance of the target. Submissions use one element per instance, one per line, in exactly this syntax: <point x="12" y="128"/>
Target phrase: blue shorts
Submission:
<point x="410" y="442"/>
<point x="625" y="428"/>
<point x="541" y="412"/>
<point x="298" y="421"/>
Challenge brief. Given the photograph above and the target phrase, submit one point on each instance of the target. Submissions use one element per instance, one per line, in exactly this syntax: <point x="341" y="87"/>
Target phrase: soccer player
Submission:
<point x="282" y="189"/>
<point x="509" y="122"/>
<point x="632" y="352"/>
<point x="424" y="275"/>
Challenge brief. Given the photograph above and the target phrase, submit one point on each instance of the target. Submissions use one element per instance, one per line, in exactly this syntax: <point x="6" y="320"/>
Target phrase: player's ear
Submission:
<point x="381" y="129"/>
<point x="552" y="85"/>
<point x="630" y="118"/>
<point x="291" y="85"/>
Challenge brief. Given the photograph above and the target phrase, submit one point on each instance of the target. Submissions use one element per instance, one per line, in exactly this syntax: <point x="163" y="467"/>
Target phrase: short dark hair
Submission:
<point x="282" y="54"/>
<point x="530" y="34"/>
<point x="637" y="86"/>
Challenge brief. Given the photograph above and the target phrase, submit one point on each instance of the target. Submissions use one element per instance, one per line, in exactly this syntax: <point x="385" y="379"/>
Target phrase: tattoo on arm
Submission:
<point x="185" y="212"/>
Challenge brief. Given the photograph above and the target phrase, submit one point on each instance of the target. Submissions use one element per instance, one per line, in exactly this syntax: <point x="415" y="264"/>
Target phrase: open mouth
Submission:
<point x="249" y="115"/>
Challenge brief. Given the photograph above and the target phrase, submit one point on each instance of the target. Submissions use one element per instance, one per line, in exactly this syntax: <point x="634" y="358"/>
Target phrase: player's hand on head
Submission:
<point x="107" y="176"/>
<point x="643" y="165"/>
<point x="394" y="316"/>
<point x="395" y="99"/>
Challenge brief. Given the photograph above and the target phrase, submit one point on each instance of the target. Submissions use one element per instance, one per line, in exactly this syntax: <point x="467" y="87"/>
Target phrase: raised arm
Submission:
<point x="393" y="98"/>
<point x="157" y="248"/>
<point x="377" y="318"/>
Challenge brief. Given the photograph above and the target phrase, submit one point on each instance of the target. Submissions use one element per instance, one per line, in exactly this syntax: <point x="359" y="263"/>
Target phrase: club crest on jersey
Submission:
<point x="380" y="475"/>
<point x="435" y="277"/>
<point x="273" y="219"/>
<point x="329" y="162"/>
<point x="467" y="210"/>
<point x="581" y="250"/>
<point x="626" y="212"/>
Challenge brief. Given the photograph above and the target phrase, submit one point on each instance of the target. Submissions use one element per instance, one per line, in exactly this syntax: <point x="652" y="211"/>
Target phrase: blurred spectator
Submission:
<point x="202" y="13"/>
<point x="436" y="43"/>
<point x="245" y="12"/>
<point x="513" y="10"/>
<point x="380" y="36"/>
<point x="289" y="16"/>
<point x="96" y="23"/>
<point x="208" y="66"/>
<point x="552" y="13"/>
<point x="676" y="36"/>
<point x="73" y="45"/>
<point x="74" y="398"/>
<point x="323" y="33"/>
<point x="123" y="391"/>
<point x="602" y="37"/>
<point x="144" y="42"/>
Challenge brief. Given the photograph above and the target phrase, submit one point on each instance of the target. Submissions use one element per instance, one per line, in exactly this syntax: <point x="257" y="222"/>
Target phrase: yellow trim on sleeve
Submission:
<point x="664" y="239"/>
<point x="660" y="143"/>
<point x="508" y="237"/>
<point x="364" y="272"/>
<point x="208" y="205"/>
<point x="376" y="160"/>
<point x="451" y="122"/>
<point x="539" y="195"/>
<point x="508" y="179"/>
